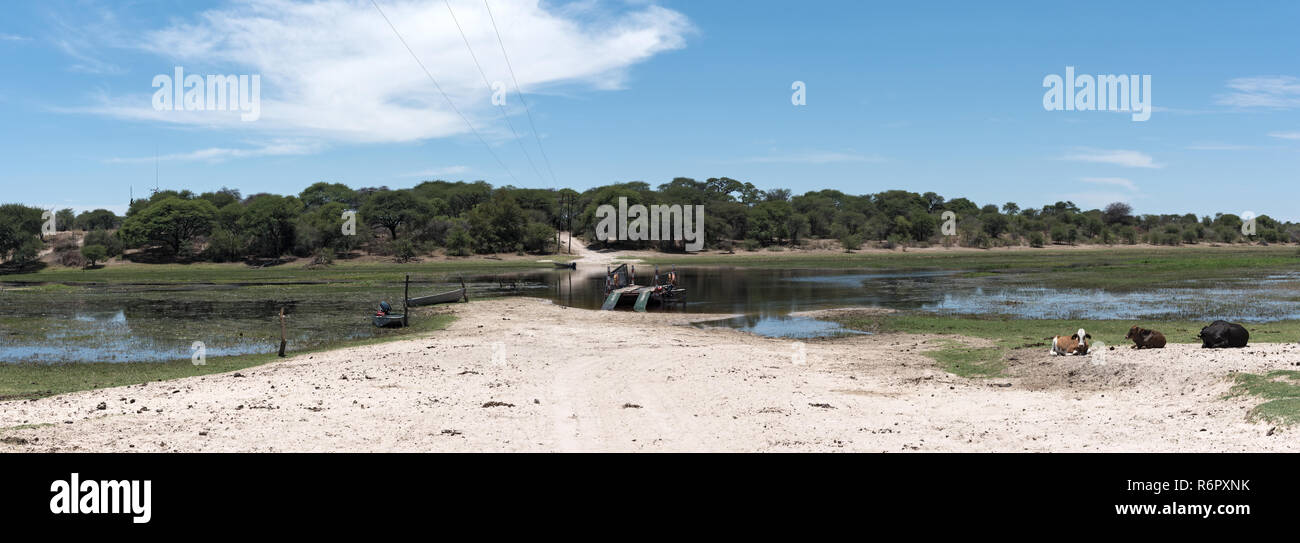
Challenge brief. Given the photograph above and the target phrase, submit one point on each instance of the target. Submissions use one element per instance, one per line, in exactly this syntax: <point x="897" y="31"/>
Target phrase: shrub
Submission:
<point x="323" y="257"/>
<point x="1129" y="235"/>
<point x="1036" y="239"/>
<point x="225" y="246"/>
<point x="110" y="242"/>
<point x="1059" y="234"/>
<point x="752" y="244"/>
<point x="459" y="242"/>
<point x="402" y="250"/>
<point x="850" y="242"/>
<point x="94" y="253"/>
<point x="538" y="238"/>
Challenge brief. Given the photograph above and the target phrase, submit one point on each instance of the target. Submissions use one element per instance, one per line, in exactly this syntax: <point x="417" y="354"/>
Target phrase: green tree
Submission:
<point x="497" y="225"/>
<point x="172" y="222"/>
<point x="18" y="225"/>
<point x="391" y="209"/>
<point x="99" y="219"/>
<point x="538" y="237"/>
<point x="323" y="193"/>
<point x="93" y="254"/>
<point x="65" y="219"/>
<point x="111" y="243"/>
<point x="268" y="222"/>
<point x="459" y="242"/>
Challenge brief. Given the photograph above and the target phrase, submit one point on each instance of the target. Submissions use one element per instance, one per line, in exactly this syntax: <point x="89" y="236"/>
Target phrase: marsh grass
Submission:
<point x="31" y="381"/>
<point x="238" y="273"/>
<point x="1120" y="267"/>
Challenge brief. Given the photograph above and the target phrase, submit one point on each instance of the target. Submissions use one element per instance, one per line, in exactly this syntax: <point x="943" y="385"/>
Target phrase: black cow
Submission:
<point x="1221" y="334"/>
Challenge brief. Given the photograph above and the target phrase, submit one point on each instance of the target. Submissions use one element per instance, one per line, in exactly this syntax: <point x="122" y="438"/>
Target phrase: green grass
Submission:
<point x="964" y="361"/>
<point x="27" y="381"/>
<point x="1114" y="267"/>
<point x="1282" y="390"/>
<point x="1009" y="334"/>
<point x="355" y="272"/>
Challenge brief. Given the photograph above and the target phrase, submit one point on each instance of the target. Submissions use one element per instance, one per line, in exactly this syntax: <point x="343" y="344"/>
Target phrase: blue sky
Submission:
<point x="926" y="96"/>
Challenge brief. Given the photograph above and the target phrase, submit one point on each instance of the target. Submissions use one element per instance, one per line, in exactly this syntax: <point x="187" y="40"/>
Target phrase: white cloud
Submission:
<point x="1280" y="92"/>
<point x="1112" y="181"/>
<point x="334" y="71"/>
<point x="1286" y="135"/>
<point x="87" y="62"/>
<point x="12" y="37"/>
<point x="812" y="157"/>
<point x="1118" y="157"/>
<point x="221" y="154"/>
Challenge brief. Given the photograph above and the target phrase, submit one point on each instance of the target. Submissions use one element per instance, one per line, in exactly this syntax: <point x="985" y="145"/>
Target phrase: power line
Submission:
<point x="520" y="92"/>
<point x="444" y="94"/>
<point x="500" y="109"/>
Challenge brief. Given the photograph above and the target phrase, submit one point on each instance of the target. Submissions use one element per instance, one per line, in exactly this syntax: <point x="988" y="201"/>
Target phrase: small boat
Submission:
<point x="388" y="321"/>
<point x="566" y="265"/>
<point x="444" y="298"/>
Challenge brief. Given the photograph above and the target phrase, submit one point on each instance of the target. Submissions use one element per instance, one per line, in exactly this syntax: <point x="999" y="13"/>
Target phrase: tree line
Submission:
<point x="462" y="218"/>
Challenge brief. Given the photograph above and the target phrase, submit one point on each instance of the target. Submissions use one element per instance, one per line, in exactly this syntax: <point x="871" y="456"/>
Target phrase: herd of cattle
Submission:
<point x="1218" y="335"/>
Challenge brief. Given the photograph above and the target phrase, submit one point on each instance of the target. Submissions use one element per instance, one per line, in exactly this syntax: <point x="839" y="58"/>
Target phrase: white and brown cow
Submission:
<point x="1071" y="345"/>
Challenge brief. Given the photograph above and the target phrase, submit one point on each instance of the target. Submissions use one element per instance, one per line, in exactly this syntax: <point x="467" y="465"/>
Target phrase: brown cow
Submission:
<point x="1145" y="339"/>
<point x="1071" y="345"/>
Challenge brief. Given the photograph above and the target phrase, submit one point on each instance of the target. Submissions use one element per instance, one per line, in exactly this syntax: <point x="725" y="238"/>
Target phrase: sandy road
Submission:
<point x="576" y="380"/>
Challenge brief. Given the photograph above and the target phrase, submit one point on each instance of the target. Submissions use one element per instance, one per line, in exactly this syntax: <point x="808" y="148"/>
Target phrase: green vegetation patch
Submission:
<point x="1280" y="387"/>
<point x="965" y="361"/>
<point x="1119" y="267"/>
<point x="28" y="381"/>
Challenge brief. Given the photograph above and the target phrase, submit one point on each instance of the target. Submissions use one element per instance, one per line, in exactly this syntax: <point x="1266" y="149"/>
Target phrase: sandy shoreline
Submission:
<point x="577" y="380"/>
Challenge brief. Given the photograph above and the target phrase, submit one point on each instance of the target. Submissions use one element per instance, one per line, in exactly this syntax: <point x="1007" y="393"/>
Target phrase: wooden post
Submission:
<point x="406" y="295"/>
<point x="283" y="340"/>
<point x="464" y="291"/>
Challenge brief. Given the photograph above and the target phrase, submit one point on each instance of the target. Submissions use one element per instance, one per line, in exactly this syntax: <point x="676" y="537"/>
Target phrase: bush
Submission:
<point x="225" y="246"/>
<point x="402" y="250"/>
<point x="459" y="242"/>
<point x="1059" y="234"/>
<point x="66" y="253"/>
<point x="1036" y="239"/>
<point x="94" y="253"/>
<point x="323" y="257"/>
<point x="752" y="245"/>
<point x="538" y="238"/>
<point x="850" y="242"/>
<point x="110" y="242"/>
<point x="1129" y="235"/>
<point x="27" y="251"/>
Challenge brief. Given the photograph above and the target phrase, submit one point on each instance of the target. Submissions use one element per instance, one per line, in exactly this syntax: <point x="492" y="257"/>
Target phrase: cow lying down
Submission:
<point x="1223" y="334"/>
<point x="1071" y="345"/>
<point x="1145" y="339"/>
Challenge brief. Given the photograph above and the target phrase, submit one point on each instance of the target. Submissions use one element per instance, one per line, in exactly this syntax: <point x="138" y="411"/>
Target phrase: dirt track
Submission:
<point x="576" y="380"/>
